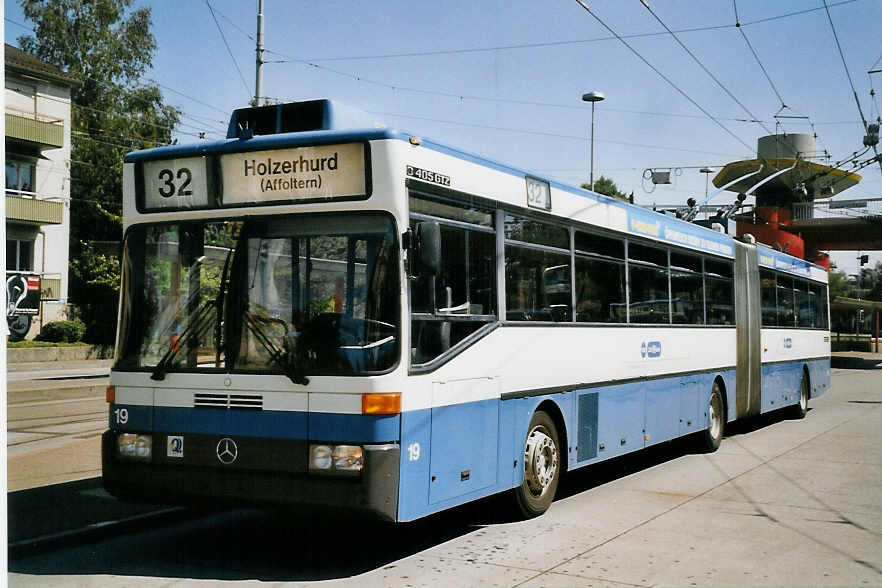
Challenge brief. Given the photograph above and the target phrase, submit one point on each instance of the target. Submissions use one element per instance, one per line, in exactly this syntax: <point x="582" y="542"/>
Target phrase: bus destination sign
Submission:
<point x="301" y="173"/>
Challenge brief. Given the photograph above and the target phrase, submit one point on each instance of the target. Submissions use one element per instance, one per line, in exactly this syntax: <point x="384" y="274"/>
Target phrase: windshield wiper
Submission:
<point x="189" y="337"/>
<point x="286" y="358"/>
<point x="219" y="303"/>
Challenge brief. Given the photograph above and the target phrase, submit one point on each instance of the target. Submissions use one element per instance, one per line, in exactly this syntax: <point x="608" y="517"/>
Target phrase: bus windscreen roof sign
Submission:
<point x="302" y="173"/>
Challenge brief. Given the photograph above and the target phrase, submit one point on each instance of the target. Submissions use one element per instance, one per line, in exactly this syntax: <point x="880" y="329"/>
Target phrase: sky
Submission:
<point x="505" y="79"/>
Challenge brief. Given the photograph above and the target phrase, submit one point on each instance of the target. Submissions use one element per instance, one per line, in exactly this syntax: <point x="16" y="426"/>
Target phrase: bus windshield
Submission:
<point x="294" y="295"/>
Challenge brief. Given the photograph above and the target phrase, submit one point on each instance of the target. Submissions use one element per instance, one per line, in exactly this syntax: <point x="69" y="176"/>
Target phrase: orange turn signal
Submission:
<point x="110" y="394"/>
<point x="381" y="403"/>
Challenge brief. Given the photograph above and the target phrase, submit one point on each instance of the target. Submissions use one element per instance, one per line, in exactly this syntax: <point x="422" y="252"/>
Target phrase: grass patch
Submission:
<point x="30" y="344"/>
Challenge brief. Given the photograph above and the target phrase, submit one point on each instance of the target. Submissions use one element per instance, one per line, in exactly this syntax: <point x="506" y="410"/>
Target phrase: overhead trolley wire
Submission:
<point x="290" y="59"/>
<point x="555" y="135"/>
<point x="848" y="75"/>
<point x="230" y="51"/>
<point x="706" y="70"/>
<point x="755" y="55"/>
<point x="664" y="77"/>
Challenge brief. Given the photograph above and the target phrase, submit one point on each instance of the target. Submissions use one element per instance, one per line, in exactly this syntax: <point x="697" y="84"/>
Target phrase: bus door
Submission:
<point x="748" y="317"/>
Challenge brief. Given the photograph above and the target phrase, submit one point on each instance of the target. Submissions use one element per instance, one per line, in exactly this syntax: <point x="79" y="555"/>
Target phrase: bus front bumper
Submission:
<point x="161" y="481"/>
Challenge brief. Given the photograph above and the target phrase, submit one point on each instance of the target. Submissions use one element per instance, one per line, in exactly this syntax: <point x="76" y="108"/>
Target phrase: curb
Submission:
<point x="49" y="354"/>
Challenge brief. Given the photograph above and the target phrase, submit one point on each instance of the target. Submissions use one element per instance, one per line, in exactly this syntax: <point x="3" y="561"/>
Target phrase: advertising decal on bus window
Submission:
<point x="652" y="224"/>
<point x="786" y="263"/>
<point x="301" y="173"/>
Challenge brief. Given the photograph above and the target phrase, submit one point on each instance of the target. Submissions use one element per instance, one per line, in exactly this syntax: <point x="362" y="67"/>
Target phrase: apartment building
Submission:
<point x="38" y="188"/>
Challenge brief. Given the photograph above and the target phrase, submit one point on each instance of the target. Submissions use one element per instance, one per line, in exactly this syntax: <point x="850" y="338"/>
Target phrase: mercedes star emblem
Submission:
<point x="227" y="451"/>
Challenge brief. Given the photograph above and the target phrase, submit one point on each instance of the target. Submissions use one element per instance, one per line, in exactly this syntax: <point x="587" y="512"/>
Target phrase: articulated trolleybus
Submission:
<point x="317" y="312"/>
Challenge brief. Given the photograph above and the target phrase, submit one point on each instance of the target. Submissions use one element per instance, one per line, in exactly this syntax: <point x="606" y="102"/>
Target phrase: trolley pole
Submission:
<point x="258" y="82"/>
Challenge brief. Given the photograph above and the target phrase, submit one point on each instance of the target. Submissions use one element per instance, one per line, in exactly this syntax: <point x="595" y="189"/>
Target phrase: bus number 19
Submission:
<point x="413" y="452"/>
<point x="122" y="416"/>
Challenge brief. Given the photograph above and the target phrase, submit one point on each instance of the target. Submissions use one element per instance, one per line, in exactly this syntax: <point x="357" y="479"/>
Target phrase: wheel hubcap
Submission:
<point x="540" y="461"/>
<point x="803" y="397"/>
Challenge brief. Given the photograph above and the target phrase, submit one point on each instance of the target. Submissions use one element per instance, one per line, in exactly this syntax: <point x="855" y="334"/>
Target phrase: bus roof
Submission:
<point x="642" y="221"/>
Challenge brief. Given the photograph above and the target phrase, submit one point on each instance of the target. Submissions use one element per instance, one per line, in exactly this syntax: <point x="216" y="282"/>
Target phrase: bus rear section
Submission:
<point x="254" y="361"/>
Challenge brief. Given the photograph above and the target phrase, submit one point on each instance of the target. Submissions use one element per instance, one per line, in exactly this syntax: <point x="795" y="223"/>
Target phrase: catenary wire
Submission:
<point x="848" y="74"/>
<point x="230" y="51"/>
<point x="755" y="55"/>
<point x="664" y="77"/>
<point x="555" y="135"/>
<point x="703" y="67"/>
<point x="540" y="45"/>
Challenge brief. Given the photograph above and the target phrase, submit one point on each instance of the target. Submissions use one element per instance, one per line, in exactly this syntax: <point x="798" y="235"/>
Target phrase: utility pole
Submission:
<point x="258" y="82"/>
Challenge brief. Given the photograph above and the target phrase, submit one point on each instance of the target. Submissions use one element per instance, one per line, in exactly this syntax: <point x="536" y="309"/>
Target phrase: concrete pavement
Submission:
<point x="783" y="502"/>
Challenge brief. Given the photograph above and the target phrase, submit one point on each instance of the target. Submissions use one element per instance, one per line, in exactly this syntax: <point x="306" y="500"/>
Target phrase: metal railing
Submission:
<point x="870" y="208"/>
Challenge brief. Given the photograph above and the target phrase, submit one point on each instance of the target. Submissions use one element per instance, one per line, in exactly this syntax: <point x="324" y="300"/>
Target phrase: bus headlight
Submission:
<point x="320" y="457"/>
<point x="343" y="459"/>
<point x="348" y="458"/>
<point x="134" y="446"/>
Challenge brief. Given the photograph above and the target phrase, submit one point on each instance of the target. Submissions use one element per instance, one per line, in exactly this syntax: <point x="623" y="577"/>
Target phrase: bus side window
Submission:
<point x="769" y="304"/>
<point x="805" y="310"/>
<point x="786" y="316"/>
<point x="461" y="298"/>
<point x="819" y="299"/>
<point x="600" y="279"/>
<point x="720" y="293"/>
<point x="648" y="282"/>
<point x="537" y="279"/>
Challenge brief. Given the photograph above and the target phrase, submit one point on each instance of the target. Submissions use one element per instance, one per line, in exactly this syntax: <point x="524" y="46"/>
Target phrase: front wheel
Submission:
<point x="711" y="437"/>
<point x="542" y="467"/>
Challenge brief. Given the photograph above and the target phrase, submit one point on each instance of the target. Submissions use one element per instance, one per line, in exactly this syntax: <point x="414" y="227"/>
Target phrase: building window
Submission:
<point x="19" y="255"/>
<point x="20" y="177"/>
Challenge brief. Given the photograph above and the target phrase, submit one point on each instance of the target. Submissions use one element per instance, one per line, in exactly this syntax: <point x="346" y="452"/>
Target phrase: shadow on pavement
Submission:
<point x="854" y="362"/>
<point x="281" y="546"/>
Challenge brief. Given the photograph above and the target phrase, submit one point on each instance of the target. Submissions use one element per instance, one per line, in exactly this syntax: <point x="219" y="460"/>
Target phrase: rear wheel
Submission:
<point x="542" y="467"/>
<point x="800" y="409"/>
<point x="711" y="437"/>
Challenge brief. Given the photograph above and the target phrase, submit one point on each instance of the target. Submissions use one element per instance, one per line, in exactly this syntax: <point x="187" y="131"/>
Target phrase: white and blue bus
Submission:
<point x="319" y="313"/>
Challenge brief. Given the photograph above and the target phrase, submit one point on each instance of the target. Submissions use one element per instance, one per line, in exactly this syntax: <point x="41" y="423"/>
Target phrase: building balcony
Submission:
<point x="35" y="129"/>
<point x="25" y="207"/>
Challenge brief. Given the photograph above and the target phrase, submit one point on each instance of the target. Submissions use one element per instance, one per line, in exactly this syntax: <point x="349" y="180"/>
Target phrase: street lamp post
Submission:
<point x="707" y="171"/>
<point x="592" y="97"/>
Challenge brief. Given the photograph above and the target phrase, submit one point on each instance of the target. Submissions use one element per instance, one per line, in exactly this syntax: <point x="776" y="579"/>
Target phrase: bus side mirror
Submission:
<point x="427" y="248"/>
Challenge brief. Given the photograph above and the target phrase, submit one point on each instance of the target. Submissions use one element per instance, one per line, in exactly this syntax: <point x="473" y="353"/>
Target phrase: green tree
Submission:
<point x="837" y="282"/>
<point x="607" y="187"/>
<point x="108" y="47"/>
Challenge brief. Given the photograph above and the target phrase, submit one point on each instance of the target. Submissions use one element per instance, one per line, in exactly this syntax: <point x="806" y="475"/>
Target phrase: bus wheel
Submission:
<point x="711" y="437"/>
<point x="799" y="410"/>
<point x="541" y="467"/>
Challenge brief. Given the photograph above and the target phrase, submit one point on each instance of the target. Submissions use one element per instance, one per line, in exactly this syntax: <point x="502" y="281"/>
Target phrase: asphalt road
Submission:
<point x="783" y="502"/>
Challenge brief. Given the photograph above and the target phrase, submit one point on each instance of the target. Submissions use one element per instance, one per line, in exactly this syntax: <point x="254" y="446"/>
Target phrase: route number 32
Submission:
<point x="175" y="183"/>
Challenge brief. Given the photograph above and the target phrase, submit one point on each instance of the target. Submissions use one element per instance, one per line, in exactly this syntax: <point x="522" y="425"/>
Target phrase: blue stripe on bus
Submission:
<point x="781" y="382"/>
<point x="355" y="428"/>
<point x="455" y="454"/>
<point x="268" y="424"/>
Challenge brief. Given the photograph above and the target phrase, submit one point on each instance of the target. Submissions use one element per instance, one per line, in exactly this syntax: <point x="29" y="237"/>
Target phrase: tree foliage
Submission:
<point x="108" y="47"/>
<point x="607" y="187"/>
<point x="869" y="287"/>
